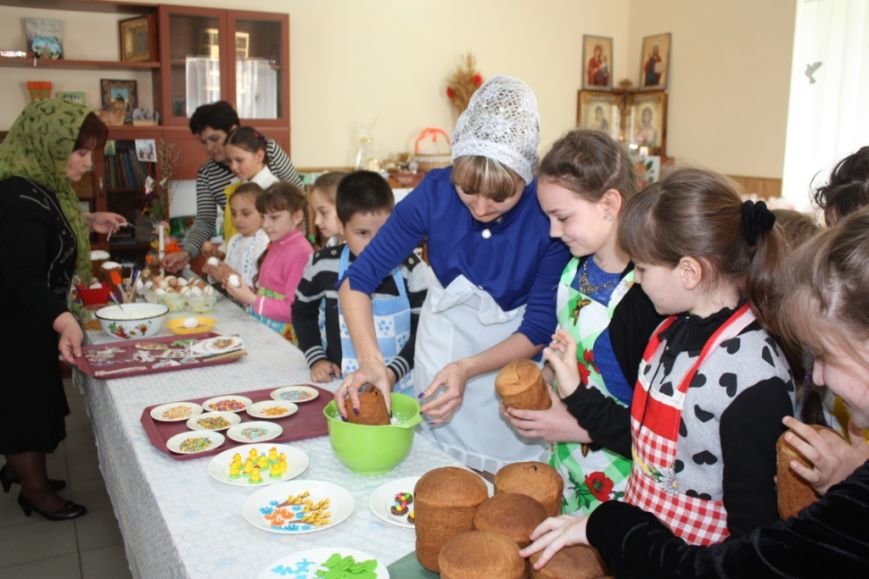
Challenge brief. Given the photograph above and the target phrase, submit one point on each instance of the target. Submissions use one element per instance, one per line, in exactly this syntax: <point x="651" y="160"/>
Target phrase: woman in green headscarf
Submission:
<point x="37" y="148"/>
<point x="43" y="238"/>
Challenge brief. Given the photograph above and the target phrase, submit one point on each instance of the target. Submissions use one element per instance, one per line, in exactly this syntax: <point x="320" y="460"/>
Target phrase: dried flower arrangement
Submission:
<point x="158" y="194"/>
<point x="463" y="83"/>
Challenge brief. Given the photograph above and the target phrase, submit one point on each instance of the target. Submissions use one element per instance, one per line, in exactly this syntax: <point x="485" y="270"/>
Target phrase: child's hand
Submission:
<point x="242" y="294"/>
<point x="222" y="272"/>
<point x="554" y="534"/>
<point x="833" y="459"/>
<point x="555" y="424"/>
<point x="561" y="355"/>
<point x="325" y="371"/>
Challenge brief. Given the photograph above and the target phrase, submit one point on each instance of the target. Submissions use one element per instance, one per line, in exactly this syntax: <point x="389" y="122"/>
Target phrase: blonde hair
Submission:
<point x="486" y="177"/>
<point x="826" y="285"/>
<point x="328" y="184"/>
<point x="697" y="213"/>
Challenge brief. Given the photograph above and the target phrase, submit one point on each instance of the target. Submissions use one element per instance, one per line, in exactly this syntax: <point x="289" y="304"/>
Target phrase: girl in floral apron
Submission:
<point x="713" y="386"/>
<point x="584" y="181"/>
<point x="283" y="209"/>
<point x="496" y="272"/>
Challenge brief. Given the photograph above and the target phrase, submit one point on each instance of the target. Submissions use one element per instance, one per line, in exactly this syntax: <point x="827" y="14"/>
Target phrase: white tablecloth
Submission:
<point x="179" y="522"/>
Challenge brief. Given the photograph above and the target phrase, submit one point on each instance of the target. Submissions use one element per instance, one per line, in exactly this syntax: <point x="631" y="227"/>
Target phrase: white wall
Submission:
<point x="354" y="61"/>
<point x="729" y="79"/>
<point x="387" y="61"/>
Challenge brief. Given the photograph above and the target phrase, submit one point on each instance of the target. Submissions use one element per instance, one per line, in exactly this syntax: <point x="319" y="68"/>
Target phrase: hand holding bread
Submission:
<point x="820" y="455"/>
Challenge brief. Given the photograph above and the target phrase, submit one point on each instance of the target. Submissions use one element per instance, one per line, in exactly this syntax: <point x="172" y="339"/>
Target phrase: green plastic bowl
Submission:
<point x="366" y="449"/>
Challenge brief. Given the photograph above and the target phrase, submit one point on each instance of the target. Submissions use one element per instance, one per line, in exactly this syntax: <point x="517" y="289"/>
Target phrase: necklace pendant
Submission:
<point x="487" y="233"/>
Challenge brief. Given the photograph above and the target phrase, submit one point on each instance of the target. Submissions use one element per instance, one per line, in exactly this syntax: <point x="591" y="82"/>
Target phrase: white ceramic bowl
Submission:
<point x="138" y="320"/>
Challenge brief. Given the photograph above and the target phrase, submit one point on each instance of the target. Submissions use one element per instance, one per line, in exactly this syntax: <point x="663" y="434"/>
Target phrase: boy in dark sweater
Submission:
<point x="364" y="201"/>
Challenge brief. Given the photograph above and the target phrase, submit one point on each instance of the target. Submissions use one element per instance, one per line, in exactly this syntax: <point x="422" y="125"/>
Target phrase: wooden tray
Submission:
<point x="122" y="364"/>
<point x="308" y="422"/>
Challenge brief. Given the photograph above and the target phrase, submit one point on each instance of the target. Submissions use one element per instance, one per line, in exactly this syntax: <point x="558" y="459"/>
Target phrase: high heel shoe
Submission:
<point x="9" y="477"/>
<point x="69" y="511"/>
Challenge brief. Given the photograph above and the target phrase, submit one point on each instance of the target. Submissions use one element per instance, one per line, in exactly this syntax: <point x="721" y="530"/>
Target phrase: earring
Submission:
<point x="608" y="217"/>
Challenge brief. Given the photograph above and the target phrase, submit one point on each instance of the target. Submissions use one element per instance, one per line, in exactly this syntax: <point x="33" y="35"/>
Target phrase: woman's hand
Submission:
<point x="210" y="249"/>
<point x="832" y="458"/>
<point x="555" y="424"/>
<point x="450" y="381"/>
<point x="175" y="262"/>
<point x="561" y="355"/>
<point x="325" y="371"/>
<point x="554" y="534"/>
<point x="372" y="372"/>
<point x="242" y="294"/>
<point x="71" y="337"/>
<point x="105" y="222"/>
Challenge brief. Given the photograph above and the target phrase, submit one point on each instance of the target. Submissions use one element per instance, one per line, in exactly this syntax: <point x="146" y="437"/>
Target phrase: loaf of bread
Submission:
<point x="794" y="493"/>
<point x="520" y="385"/>
<point x="536" y="479"/>
<point x="511" y="514"/>
<point x="372" y="409"/>
<point x="481" y="555"/>
<point x="445" y="500"/>
<point x="576" y="562"/>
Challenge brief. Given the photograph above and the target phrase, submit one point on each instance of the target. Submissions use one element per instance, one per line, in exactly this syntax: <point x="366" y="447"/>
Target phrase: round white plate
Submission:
<point x="305" y="564"/>
<point x="195" y="423"/>
<point x="260" y="409"/>
<point x="296" y="394"/>
<point x="383" y="498"/>
<point x="243" y="433"/>
<point x="175" y="411"/>
<point x="230" y="403"/>
<point x="215" y="439"/>
<point x="217" y="345"/>
<point x="260" y="508"/>
<point x="218" y="468"/>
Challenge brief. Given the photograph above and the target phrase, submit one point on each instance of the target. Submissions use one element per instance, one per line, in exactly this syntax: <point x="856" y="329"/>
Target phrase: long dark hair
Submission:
<point x="697" y="213"/>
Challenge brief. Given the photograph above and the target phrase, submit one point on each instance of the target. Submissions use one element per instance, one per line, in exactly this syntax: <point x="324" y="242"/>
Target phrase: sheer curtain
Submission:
<point x="829" y="118"/>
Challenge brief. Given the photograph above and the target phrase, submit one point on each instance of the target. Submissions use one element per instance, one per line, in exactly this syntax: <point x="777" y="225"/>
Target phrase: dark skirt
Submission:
<point x="33" y="403"/>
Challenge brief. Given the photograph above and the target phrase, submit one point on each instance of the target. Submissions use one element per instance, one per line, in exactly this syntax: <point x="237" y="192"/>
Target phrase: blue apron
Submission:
<point x="391" y="325"/>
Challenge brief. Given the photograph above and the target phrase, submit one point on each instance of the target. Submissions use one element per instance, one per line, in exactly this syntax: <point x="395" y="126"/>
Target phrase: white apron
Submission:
<point x="459" y="321"/>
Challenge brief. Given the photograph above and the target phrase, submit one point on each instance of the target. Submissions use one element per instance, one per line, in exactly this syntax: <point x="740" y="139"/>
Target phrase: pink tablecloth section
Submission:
<point x="123" y="364"/>
<point x="308" y="422"/>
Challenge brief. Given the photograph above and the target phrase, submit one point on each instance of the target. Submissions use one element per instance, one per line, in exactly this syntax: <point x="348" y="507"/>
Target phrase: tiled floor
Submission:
<point x="89" y="547"/>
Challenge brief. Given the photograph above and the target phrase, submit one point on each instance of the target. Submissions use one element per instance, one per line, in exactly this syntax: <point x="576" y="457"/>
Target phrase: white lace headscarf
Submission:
<point x="501" y="123"/>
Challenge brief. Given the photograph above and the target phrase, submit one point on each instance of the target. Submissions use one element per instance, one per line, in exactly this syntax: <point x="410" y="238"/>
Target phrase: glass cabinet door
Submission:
<point x="260" y="67"/>
<point x="207" y="55"/>
<point x="194" y="61"/>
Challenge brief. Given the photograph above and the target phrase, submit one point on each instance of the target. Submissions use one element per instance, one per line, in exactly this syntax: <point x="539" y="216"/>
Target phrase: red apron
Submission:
<point x="655" y="432"/>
